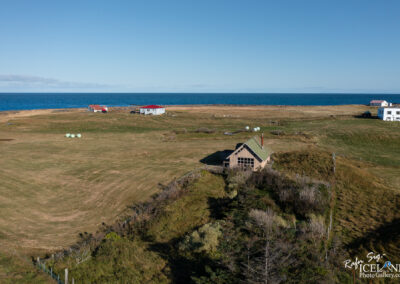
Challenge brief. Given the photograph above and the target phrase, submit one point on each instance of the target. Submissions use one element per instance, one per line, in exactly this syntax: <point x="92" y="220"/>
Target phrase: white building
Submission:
<point x="97" y="108"/>
<point x="380" y="103"/>
<point x="389" y="113"/>
<point x="152" y="109"/>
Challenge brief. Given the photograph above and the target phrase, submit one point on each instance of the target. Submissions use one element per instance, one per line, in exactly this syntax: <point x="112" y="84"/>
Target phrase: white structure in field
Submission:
<point x="152" y="109"/>
<point x="380" y="103"/>
<point x="389" y="113"/>
<point x="97" y="108"/>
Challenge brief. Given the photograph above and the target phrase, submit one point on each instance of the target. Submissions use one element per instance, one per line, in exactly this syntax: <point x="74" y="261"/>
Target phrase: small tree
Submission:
<point x="261" y="269"/>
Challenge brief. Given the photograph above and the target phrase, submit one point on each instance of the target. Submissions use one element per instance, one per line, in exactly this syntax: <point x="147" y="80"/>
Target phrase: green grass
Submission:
<point x="119" y="260"/>
<point x="132" y="260"/>
<point x="190" y="211"/>
<point x="17" y="269"/>
<point x="368" y="139"/>
<point x="368" y="146"/>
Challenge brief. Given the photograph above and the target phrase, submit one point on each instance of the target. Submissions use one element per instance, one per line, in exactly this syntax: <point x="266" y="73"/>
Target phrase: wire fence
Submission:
<point x="49" y="270"/>
<point x="41" y="264"/>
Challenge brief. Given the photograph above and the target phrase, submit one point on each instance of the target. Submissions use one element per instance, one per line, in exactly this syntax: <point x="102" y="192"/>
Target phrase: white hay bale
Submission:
<point x="78" y="135"/>
<point x="67" y="135"/>
<point x="247" y="127"/>
<point x="72" y="135"/>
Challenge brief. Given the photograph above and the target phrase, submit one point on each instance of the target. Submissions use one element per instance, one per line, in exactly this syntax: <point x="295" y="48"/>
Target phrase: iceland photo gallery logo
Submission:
<point x="375" y="266"/>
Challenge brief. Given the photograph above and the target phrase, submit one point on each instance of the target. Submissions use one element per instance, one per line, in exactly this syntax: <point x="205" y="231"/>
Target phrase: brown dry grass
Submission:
<point x="52" y="187"/>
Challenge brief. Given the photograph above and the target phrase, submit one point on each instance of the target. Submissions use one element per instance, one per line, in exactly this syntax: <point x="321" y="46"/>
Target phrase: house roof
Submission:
<point x="152" y="106"/>
<point x="97" y="107"/>
<point x="262" y="152"/>
<point x="376" y="101"/>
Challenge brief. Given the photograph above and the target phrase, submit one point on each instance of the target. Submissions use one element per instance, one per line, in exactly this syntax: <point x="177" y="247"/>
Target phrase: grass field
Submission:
<point x="53" y="188"/>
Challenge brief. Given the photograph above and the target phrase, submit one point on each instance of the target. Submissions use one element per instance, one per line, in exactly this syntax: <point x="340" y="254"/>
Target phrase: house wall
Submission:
<point x="155" y="111"/>
<point x="244" y="152"/>
<point x="382" y="104"/>
<point x="97" y="110"/>
<point x="389" y="114"/>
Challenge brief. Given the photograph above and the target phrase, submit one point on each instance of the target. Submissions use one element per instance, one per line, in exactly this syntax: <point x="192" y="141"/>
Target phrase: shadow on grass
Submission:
<point x="216" y="158"/>
<point x="219" y="207"/>
<point x="365" y="116"/>
<point x="182" y="268"/>
<point x="386" y="237"/>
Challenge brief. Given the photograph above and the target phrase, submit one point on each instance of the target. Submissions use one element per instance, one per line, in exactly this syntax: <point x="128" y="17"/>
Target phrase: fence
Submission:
<point x="49" y="271"/>
<point x="185" y="178"/>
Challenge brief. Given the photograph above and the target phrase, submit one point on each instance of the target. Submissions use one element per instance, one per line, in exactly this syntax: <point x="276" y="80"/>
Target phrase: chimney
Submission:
<point x="262" y="140"/>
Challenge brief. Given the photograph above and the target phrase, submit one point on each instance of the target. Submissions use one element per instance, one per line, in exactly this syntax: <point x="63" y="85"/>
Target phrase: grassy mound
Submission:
<point x="366" y="210"/>
<point x="190" y="211"/>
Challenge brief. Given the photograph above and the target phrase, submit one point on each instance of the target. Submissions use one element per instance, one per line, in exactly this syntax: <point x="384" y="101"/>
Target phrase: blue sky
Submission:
<point x="200" y="46"/>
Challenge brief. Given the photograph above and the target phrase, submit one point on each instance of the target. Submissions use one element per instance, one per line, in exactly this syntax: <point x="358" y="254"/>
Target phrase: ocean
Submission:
<point x="28" y="101"/>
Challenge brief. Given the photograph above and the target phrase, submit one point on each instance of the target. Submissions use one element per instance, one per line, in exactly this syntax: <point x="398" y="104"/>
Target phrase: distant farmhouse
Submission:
<point x="250" y="155"/>
<point x="389" y="113"/>
<point x="152" y="109"/>
<point x="380" y="103"/>
<point x="98" y="108"/>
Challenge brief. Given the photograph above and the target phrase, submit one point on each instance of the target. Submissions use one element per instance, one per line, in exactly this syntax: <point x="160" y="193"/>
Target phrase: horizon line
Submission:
<point x="286" y="93"/>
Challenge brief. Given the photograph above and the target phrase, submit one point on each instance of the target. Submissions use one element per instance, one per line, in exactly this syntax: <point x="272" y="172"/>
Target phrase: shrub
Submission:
<point x="122" y="261"/>
<point x="112" y="236"/>
<point x="204" y="130"/>
<point x="237" y="178"/>
<point x="204" y="240"/>
<point x="180" y="131"/>
<point x="316" y="226"/>
<point x="277" y="132"/>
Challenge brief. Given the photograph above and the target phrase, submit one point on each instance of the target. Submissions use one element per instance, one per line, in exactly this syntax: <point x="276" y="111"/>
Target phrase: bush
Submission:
<point x="112" y="236"/>
<point x="122" y="261"/>
<point x="316" y="225"/>
<point x="204" y="240"/>
<point x="277" y="132"/>
<point x="204" y="130"/>
<point x="180" y="131"/>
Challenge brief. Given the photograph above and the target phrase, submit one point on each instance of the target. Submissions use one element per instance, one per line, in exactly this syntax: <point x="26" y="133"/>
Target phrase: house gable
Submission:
<point x="244" y="150"/>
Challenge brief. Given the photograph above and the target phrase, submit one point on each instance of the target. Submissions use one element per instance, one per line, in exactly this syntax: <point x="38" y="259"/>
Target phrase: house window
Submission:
<point x="389" y="112"/>
<point x="246" y="162"/>
<point x="397" y="112"/>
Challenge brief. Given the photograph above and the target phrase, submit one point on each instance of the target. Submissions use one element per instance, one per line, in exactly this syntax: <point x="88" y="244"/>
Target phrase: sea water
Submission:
<point x="27" y="101"/>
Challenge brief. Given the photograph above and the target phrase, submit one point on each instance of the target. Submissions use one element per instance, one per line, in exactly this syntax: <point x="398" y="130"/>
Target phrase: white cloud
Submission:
<point x="33" y="83"/>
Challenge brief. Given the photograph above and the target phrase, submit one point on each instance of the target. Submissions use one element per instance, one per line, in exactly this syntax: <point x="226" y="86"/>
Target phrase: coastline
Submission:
<point x="182" y="106"/>
<point x="211" y="109"/>
<point x="42" y="101"/>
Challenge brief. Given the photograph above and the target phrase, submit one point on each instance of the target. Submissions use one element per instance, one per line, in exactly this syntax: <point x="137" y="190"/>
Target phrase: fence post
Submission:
<point x="73" y="281"/>
<point x="51" y="272"/>
<point x="66" y="276"/>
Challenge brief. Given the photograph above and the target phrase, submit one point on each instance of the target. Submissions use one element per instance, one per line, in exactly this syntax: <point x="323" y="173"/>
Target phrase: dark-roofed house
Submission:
<point x="251" y="155"/>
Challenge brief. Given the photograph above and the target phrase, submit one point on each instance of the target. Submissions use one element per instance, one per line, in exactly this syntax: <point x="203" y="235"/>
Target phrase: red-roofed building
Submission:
<point x="380" y="103"/>
<point x="98" y="108"/>
<point x="152" y="109"/>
